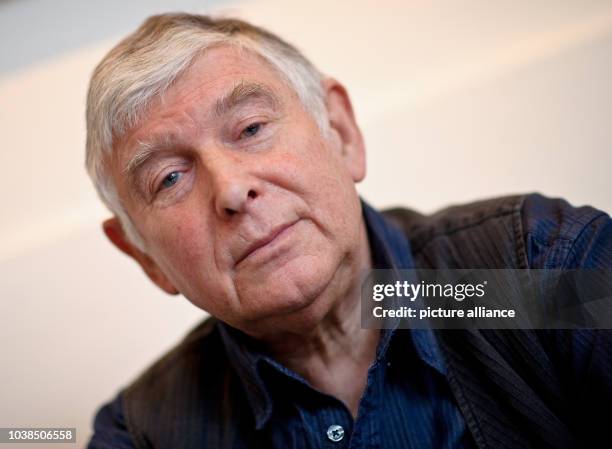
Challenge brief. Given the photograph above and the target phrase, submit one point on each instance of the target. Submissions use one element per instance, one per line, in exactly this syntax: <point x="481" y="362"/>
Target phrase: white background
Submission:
<point x="477" y="98"/>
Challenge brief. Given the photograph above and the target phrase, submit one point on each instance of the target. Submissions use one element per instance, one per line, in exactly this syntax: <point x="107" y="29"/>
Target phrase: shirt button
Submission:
<point x="335" y="433"/>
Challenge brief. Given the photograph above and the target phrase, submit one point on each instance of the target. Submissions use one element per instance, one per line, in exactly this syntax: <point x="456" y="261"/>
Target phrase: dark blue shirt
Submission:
<point x="406" y="404"/>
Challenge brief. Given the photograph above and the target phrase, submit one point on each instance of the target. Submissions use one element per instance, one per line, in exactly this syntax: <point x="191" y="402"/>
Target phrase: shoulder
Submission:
<point x="562" y="369"/>
<point x="201" y="346"/>
<point x="518" y="231"/>
<point x="110" y="429"/>
<point x="191" y="383"/>
<point x="560" y="235"/>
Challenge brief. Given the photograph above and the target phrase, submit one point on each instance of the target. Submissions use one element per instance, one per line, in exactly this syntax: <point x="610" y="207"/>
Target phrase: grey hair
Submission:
<point x="146" y="63"/>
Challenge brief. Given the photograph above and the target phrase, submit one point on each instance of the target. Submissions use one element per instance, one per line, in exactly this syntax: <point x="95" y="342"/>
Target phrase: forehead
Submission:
<point x="213" y="72"/>
<point x="211" y="77"/>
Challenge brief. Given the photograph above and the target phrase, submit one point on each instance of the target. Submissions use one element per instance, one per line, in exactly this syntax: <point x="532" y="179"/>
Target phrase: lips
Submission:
<point x="260" y="243"/>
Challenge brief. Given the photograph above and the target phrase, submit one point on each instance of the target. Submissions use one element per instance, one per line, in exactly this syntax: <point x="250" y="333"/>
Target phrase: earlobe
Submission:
<point x="114" y="231"/>
<point x="344" y="127"/>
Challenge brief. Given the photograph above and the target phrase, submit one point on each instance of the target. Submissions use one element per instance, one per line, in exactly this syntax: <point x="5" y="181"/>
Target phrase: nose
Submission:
<point x="233" y="189"/>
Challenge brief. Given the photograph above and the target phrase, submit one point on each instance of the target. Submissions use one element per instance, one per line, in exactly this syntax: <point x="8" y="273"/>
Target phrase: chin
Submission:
<point x="296" y="290"/>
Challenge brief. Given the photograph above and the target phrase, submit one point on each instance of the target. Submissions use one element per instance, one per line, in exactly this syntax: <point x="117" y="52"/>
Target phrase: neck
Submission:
<point x="335" y="355"/>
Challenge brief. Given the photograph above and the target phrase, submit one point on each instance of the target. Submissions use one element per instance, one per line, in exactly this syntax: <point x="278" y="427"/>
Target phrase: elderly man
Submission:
<point x="229" y="163"/>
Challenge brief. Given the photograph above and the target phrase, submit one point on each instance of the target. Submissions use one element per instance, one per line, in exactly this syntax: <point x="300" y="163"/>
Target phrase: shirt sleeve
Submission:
<point x="561" y="236"/>
<point x="110" y="429"/>
<point x="592" y="248"/>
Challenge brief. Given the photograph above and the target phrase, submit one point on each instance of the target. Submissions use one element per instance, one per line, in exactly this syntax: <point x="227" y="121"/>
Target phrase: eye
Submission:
<point x="250" y="130"/>
<point x="171" y="179"/>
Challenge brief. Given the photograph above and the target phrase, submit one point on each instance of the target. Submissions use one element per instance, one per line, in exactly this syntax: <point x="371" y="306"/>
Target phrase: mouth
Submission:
<point x="265" y="241"/>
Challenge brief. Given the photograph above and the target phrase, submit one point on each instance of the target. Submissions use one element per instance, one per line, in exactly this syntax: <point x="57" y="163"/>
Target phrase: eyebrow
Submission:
<point x="242" y="92"/>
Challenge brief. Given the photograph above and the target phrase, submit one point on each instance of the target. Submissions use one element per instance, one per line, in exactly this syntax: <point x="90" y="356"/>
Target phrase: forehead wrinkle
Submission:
<point x="171" y="130"/>
<point x="243" y="92"/>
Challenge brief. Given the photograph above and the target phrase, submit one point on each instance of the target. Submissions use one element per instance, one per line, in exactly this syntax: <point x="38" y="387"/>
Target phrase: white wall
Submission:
<point x="479" y="99"/>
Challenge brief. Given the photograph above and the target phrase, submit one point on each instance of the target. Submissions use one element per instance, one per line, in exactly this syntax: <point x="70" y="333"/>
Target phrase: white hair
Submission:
<point x="143" y="65"/>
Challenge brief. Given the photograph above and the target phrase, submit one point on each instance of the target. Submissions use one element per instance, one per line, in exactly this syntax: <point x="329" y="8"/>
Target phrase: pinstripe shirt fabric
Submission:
<point x="426" y="389"/>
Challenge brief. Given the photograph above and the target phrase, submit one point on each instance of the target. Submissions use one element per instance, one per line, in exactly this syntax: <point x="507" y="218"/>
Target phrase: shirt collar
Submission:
<point x="246" y="359"/>
<point x="390" y="250"/>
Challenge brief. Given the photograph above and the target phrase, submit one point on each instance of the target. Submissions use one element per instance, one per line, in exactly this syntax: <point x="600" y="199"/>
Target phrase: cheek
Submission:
<point x="189" y="260"/>
<point x="311" y="167"/>
<point x="315" y="171"/>
<point x="184" y="249"/>
<point x="331" y="184"/>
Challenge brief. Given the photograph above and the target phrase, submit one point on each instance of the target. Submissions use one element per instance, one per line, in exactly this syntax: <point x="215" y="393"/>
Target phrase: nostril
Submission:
<point x="252" y="194"/>
<point x="229" y="211"/>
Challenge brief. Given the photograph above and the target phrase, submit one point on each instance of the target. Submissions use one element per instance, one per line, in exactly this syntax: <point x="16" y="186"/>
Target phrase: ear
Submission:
<point x="114" y="231"/>
<point x="344" y="128"/>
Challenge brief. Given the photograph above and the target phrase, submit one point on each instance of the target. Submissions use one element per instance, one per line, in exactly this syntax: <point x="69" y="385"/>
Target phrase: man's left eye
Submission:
<point x="171" y="179"/>
<point x="250" y="130"/>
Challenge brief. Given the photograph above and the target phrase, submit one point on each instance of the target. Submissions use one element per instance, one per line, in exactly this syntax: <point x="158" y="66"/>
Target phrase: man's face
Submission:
<point x="243" y="205"/>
